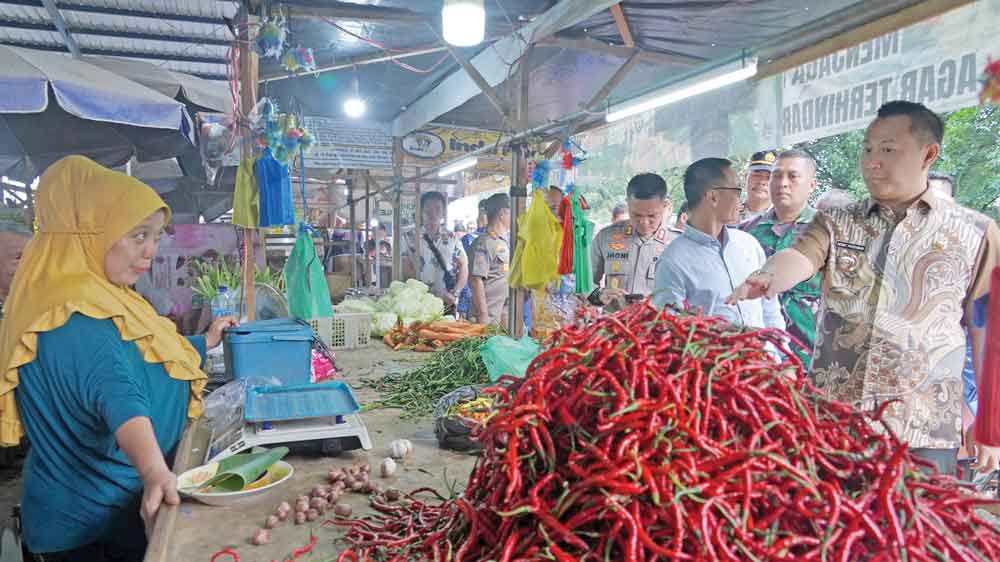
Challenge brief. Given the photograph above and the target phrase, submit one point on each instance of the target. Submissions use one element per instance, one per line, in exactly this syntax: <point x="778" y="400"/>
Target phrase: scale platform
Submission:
<point x="327" y="435"/>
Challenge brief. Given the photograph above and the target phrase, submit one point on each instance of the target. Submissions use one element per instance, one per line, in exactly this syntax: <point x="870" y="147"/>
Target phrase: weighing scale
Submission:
<point x="319" y="417"/>
<point x="329" y="435"/>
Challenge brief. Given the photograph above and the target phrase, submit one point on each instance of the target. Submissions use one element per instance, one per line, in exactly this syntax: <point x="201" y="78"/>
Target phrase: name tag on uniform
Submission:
<point x="850" y="246"/>
<point x="617" y="255"/>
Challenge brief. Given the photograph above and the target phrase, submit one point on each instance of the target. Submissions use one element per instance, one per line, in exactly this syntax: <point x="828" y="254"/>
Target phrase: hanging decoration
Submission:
<point x="270" y="41"/>
<point x="299" y="59"/>
<point x="991" y="83"/>
<point x="280" y="132"/>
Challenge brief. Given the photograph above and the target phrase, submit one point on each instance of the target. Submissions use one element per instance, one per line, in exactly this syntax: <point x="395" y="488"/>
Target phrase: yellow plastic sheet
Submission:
<point x="246" y="196"/>
<point x="539" y="239"/>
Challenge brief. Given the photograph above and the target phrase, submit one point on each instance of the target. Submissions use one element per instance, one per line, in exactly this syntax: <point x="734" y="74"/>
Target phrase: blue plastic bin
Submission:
<point x="280" y="348"/>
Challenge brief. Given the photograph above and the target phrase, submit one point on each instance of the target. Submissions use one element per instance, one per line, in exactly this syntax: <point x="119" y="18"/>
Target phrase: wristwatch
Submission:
<point x="595" y="297"/>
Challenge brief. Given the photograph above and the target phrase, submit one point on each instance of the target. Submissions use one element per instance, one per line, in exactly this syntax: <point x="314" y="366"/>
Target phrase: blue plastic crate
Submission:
<point x="276" y="403"/>
<point x="271" y="349"/>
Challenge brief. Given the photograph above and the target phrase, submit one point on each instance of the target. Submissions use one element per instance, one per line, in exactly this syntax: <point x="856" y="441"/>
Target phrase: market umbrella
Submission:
<point x="96" y="113"/>
<point x="196" y="93"/>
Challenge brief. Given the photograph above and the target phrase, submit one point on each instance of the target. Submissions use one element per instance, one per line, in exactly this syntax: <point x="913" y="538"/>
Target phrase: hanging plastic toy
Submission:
<point x="991" y="83"/>
<point x="299" y="59"/>
<point x="270" y="41"/>
<point x="540" y="174"/>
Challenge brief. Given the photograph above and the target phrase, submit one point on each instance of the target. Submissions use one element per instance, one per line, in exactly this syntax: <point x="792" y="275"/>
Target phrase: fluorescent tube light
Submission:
<point x="696" y="86"/>
<point x="463" y="164"/>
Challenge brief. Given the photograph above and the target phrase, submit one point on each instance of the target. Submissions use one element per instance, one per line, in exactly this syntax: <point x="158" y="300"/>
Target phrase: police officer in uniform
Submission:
<point x="624" y="254"/>
<point x="490" y="269"/>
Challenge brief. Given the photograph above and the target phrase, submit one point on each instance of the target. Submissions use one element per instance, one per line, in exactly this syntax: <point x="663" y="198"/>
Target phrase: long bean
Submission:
<point x="416" y="392"/>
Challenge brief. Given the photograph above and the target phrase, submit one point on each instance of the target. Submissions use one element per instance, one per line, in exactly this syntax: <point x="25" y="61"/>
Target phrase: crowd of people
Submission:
<point x="883" y="297"/>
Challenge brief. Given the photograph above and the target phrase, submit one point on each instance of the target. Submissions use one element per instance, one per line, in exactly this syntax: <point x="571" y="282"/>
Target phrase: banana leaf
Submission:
<point x="237" y="471"/>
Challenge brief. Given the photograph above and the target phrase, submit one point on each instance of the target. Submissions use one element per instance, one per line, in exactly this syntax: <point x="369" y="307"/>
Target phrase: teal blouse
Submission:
<point x="84" y="383"/>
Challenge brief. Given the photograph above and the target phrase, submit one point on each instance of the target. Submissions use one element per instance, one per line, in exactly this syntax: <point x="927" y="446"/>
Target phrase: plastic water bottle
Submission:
<point x="221" y="304"/>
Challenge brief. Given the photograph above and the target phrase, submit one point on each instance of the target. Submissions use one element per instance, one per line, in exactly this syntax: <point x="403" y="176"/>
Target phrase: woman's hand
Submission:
<point x="157" y="489"/>
<point x="214" y="335"/>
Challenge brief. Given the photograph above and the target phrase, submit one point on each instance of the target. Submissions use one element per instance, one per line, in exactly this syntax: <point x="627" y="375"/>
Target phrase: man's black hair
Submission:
<point x="496" y="203"/>
<point x="703" y="176"/>
<point x="647" y="186"/>
<point x="684" y="208"/>
<point x="428" y="196"/>
<point x="924" y="123"/>
<point x="796" y="153"/>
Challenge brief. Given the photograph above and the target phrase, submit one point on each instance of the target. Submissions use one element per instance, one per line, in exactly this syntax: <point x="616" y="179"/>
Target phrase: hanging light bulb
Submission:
<point x="463" y="22"/>
<point x="355" y="107"/>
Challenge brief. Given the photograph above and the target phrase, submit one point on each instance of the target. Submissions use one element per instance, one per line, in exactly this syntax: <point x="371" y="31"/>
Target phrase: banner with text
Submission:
<point x="347" y="144"/>
<point x="937" y="62"/>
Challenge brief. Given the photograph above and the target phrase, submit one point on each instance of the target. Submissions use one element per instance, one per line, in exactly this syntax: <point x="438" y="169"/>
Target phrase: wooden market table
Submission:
<point x="192" y="532"/>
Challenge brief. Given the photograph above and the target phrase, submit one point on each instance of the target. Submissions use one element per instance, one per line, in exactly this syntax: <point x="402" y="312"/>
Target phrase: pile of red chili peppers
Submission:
<point x="646" y="436"/>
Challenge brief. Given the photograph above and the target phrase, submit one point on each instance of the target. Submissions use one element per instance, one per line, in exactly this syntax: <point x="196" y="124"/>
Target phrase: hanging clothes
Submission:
<point x="566" y="255"/>
<point x="276" y="207"/>
<point x="536" y="258"/>
<point x="246" y="196"/>
<point x="583" y="235"/>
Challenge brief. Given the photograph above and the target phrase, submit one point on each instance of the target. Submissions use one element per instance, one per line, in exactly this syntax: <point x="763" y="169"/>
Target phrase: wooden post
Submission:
<point x="418" y="229"/>
<point x="248" y="72"/>
<point x="397" y="208"/>
<point x="515" y="311"/>
<point x="353" y="217"/>
<point x="368" y="229"/>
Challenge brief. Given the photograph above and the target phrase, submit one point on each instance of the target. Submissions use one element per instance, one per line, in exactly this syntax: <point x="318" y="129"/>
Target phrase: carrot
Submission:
<point x="387" y="339"/>
<point x="422" y="347"/>
<point x="445" y="337"/>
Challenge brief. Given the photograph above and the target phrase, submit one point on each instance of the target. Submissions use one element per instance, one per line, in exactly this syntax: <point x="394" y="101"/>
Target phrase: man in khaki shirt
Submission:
<point x="490" y="268"/>
<point x="900" y="270"/>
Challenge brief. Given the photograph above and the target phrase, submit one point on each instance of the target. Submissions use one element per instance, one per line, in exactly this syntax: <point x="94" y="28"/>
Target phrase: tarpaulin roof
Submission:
<point x="578" y="49"/>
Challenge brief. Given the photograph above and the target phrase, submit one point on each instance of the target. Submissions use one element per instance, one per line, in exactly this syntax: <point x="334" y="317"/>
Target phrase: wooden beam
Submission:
<point x="248" y="73"/>
<point x="354" y="12"/>
<point x="484" y="86"/>
<point x="598" y="97"/>
<point x="492" y="63"/>
<point x="357" y="61"/>
<point x="622" y="24"/>
<point x="864" y="32"/>
<point x="593" y="45"/>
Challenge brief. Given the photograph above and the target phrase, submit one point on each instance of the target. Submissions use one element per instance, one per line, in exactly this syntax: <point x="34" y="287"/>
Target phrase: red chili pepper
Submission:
<point x="226" y="552"/>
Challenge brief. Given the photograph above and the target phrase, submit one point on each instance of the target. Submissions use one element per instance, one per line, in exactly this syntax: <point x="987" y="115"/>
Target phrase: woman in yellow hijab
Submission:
<point x="100" y="383"/>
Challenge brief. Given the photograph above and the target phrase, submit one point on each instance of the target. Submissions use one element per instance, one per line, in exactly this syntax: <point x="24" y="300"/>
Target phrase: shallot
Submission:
<point x="312" y="515"/>
<point x="319" y="504"/>
<point x="260" y="536"/>
<point x="392" y="494"/>
<point x="342" y="509"/>
<point x="318" y="492"/>
<point x="271" y="522"/>
<point x="300" y="517"/>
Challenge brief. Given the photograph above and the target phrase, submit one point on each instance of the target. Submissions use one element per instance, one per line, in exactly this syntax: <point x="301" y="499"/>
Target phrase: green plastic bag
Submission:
<point x="583" y="234"/>
<point x="308" y="293"/>
<point x="507" y="356"/>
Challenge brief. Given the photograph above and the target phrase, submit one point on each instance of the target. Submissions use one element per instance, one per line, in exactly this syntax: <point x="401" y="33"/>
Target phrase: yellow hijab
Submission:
<point x="83" y="209"/>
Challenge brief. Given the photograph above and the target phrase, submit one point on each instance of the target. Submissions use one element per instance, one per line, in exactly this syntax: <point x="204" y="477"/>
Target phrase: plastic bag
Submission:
<point x="275" y="186"/>
<point x="224" y="405"/>
<point x="308" y="293"/>
<point x="246" y="196"/>
<point x="507" y="356"/>
<point x="454" y="432"/>
<point x="583" y="235"/>
<point x="536" y="258"/>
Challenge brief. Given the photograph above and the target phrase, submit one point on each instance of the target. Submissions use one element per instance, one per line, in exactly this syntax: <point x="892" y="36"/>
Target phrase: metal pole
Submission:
<point x="418" y="230"/>
<point x="354" y="232"/>
<point x="515" y="299"/>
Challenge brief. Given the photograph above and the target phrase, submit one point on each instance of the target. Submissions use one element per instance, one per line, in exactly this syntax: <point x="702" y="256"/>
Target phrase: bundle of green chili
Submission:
<point x="645" y="436"/>
<point x="416" y="392"/>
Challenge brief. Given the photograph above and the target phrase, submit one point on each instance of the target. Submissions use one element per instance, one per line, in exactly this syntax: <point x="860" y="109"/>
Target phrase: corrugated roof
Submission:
<point x="190" y="36"/>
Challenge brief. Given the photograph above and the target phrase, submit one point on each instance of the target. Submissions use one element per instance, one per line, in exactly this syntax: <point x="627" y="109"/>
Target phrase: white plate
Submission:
<point x="188" y="482"/>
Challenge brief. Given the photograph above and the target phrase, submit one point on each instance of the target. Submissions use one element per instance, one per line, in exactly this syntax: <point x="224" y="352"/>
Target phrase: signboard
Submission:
<point x="347" y="144"/>
<point x="937" y="62"/>
<point x="437" y="145"/>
